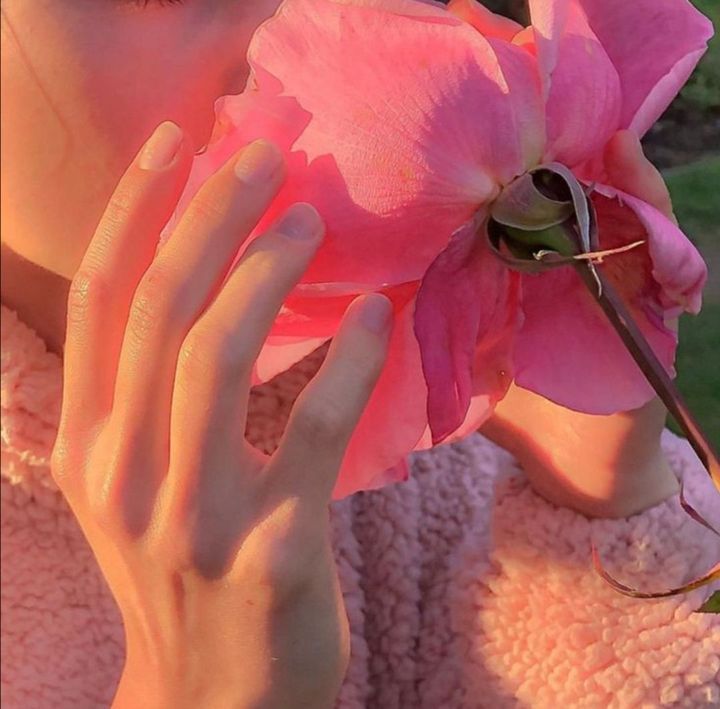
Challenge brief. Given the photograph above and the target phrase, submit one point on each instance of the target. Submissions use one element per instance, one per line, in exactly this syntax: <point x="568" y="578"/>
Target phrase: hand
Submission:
<point x="217" y="554"/>
<point x="602" y="466"/>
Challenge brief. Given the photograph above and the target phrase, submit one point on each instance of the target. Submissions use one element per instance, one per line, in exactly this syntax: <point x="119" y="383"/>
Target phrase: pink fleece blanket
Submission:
<point x="464" y="588"/>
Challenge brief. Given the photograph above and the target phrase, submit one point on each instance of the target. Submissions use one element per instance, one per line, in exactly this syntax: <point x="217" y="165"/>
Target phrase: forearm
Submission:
<point x="602" y="466"/>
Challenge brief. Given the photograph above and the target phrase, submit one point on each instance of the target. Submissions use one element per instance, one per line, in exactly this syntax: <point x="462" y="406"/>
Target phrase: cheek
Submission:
<point x="105" y="80"/>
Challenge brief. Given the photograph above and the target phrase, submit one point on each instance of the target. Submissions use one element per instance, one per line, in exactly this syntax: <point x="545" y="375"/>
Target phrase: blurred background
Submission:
<point x="685" y="145"/>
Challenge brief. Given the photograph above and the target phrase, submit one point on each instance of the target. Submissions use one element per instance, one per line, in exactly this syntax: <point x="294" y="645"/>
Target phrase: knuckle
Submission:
<point x="194" y="355"/>
<point x="146" y="315"/>
<point x="224" y="353"/>
<point x="363" y="369"/>
<point x="287" y="569"/>
<point x="156" y="301"/>
<point x="321" y="419"/>
<point x="290" y="559"/>
<point x="234" y="356"/>
<point x="271" y="260"/>
<point x="206" y="208"/>
<point x="119" y="207"/>
<point x="87" y="290"/>
<point x="59" y="463"/>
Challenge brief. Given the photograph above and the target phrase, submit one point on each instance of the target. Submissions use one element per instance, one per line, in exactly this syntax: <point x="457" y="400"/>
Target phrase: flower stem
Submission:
<point x="653" y="370"/>
<point x="621" y="319"/>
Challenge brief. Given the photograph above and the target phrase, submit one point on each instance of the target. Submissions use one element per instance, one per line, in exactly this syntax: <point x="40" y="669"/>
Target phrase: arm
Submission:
<point x="602" y="466"/>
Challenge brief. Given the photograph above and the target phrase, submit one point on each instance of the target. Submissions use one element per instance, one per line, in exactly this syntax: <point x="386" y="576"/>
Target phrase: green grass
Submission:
<point x="702" y="92"/>
<point x="695" y="191"/>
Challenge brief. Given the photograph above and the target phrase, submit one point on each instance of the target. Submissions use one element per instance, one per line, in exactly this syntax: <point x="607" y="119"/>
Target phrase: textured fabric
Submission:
<point x="463" y="587"/>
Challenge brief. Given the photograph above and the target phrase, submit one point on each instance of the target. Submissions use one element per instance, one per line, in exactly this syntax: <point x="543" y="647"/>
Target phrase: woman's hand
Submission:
<point x="218" y="555"/>
<point x="602" y="466"/>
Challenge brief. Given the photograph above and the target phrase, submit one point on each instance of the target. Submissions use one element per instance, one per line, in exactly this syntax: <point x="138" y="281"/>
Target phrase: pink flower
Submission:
<point x="402" y="121"/>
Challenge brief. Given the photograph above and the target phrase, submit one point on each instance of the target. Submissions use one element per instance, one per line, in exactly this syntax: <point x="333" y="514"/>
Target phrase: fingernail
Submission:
<point x="258" y="162"/>
<point x="302" y="222"/>
<point x="161" y="147"/>
<point x="375" y="313"/>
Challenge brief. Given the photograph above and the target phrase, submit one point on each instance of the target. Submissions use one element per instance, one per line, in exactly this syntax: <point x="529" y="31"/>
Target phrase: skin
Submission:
<point x="88" y="82"/>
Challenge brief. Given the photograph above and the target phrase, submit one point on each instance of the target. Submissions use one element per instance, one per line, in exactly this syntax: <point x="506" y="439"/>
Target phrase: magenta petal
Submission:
<point x="568" y="352"/>
<point x="654" y="45"/>
<point x="465" y="318"/>
<point x="677" y="266"/>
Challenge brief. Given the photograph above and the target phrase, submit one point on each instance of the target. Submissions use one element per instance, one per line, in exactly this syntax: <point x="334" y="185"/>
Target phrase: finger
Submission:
<point x="308" y="458"/>
<point x="182" y="281"/>
<point x="120" y="251"/>
<point x="630" y="171"/>
<point x="212" y="384"/>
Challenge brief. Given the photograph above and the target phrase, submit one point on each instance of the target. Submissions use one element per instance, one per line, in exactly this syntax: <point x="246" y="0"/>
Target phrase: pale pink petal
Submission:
<point x="654" y="45"/>
<point x="582" y="85"/>
<point x="483" y="20"/>
<point x="393" y="420"/>
<point x="393" y="165"/>
<point x="465" y="319"/>
<point x="568" y="352"/>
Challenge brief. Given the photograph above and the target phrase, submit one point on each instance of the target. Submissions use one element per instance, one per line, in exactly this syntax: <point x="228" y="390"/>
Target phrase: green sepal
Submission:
<point x="522" y="205"/>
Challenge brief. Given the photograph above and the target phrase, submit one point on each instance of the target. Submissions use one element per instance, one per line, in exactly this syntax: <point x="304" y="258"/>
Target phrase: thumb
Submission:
<point x="630" y="171"/>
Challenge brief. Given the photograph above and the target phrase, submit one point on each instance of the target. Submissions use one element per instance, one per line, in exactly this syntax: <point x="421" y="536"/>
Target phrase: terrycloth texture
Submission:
<point x="463" y="587"/>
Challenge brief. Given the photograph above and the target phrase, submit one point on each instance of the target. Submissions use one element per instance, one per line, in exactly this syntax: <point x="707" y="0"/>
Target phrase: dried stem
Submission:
<point x="652" y="368"/>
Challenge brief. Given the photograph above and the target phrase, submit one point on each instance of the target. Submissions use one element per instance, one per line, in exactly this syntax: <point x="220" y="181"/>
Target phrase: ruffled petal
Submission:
<point x="676" y="265"/>
<point x="465" y="320"/>
<point x="483" y="20"/>
<point x="654" y="46"/>
<point x="393" y="165"/>
<point x="393" y="420"/>
<point x="567" y="350"/>
<point x="580" y="81"/>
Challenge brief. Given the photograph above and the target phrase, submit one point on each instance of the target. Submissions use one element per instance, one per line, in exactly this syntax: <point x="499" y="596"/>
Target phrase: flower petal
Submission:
<point x="393" y="166"/>
<point x="483" y="20"/>
<point x="393" y="420"/>
<point x="654" y="45"/>
<point x="676" y="265"/>
<point x="281" y="353"/>
<point x="580" y="81"/>
<point x="306" y="320"/>
<point x="568" y="352"/>
<point x="465" y="318"/>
